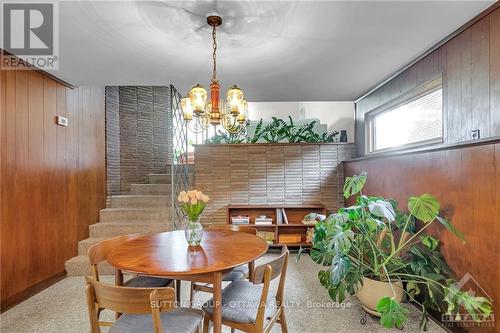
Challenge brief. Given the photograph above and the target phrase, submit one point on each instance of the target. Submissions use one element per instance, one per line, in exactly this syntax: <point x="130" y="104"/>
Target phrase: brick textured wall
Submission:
<point x="138" y="133"/>
<point x="270" y="174"/>
<point x="112" y="141"/>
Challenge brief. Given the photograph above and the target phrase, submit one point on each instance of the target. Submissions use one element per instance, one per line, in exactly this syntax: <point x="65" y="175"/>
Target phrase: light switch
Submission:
<point x="62" y="121"/>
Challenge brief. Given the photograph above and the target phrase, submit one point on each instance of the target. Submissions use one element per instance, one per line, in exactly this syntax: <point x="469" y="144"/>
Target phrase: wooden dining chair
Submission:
<point x="237" y="273"/>
<point x="99" y="252"/>
<point x="248" y="317"/>
<point x="144" y="309"/>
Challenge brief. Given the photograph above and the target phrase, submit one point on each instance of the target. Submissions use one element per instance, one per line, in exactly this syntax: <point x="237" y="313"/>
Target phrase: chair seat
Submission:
<point x="240" y="302"/>
<point x="147" y="282"/>
<point x="237" y="273"/>
<point x="175" y="321"/>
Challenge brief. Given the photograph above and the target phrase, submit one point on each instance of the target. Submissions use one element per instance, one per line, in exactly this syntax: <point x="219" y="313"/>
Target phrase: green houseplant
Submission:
<point x="372" y="248"/>
<point x="276" y="131"/>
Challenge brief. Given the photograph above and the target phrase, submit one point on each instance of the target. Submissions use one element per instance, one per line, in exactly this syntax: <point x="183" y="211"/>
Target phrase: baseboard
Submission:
<point x="21" y="296"/>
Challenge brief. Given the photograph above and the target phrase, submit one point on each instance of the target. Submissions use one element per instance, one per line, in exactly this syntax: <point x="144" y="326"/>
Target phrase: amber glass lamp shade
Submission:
<point x="187" y="109"/>
<point x="198" y="97"/>
<point x="241" y="118"/>
<point x="234" y="99"/>
<point x="244" y="106"/>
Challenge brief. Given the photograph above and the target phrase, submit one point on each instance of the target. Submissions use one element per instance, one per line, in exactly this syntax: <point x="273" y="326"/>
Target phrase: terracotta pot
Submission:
<point x="372" y="291"/>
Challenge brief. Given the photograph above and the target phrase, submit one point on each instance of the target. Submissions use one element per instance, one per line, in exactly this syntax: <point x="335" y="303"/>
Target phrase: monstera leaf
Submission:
<point x="337" y="219"/>
<point x="425" y="207"/>
<point x="476" y="306"/>
<point x="340" y="267"/>
<point x="451" y="228"/>
<point x="321" y="253"/>
<point x="392" y="314"/>
<point x="382" y="208"/>
<point x="412" y="289"/>
<point x="341" y="240"/>
<point x="324" y="278"/>
<point x="373" y="224"/>
<point x="354" y="184"/>
<point x="430" y="242"/>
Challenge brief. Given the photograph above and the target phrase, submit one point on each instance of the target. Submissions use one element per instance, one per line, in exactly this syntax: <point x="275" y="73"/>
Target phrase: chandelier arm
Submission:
<point x="196" y="126"/>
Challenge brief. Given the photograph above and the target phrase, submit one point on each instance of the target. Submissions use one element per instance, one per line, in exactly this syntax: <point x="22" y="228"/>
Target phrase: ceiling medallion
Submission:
<point x="200" y="112"/>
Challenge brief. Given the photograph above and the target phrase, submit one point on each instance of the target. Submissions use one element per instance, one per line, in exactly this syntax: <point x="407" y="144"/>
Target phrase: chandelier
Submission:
<point x="199" y="112"/>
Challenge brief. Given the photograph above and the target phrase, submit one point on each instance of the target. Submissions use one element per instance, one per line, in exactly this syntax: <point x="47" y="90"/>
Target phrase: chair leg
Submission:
<point x="284" y="327"/>
<point x="191" y="294"/>
<point x="206" y="325"/>
<point x="232" y="330"/>
<point x="177" y="287"/>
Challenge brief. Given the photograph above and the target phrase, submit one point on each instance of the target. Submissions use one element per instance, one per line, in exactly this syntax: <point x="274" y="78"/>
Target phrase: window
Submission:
<point x="415" y="119"/>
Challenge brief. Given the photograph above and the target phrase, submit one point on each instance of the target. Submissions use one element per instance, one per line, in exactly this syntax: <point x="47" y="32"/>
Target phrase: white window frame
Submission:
<point x="406" y="98"/>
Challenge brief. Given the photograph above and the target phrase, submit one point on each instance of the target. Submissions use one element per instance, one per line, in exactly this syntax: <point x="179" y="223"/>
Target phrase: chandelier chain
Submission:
<point x="214" y="55"/>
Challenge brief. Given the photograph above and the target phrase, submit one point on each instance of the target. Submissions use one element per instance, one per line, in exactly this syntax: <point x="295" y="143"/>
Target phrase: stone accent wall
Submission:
<point x="270" y="173"/>
<point x="112" y="141"/>
<point x="138" y="133"/>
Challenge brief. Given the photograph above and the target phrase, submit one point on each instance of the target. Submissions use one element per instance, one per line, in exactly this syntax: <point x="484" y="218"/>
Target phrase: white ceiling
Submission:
<point x="275" y="51"/>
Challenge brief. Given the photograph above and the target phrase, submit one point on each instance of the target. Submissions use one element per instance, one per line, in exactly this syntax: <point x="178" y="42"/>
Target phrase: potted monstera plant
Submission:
<point x="383" y="256"/>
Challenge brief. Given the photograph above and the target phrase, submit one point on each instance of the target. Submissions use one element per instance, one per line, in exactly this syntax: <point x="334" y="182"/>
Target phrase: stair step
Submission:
<point x="134" y="214"/>
<point x="85" y="244"/>
<point x="80" y="265"/>
<point x="150" y="189"/>
<point x="139" y="201"/>
<point x="160" y="178"/>
<point x="124" y="228"/>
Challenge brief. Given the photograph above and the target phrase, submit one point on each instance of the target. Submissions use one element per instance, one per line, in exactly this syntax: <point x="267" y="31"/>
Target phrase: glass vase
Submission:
<point x="193" y="230"/>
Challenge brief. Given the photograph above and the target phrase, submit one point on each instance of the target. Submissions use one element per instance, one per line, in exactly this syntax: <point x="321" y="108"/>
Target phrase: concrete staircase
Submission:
<point x="145" y="211"/>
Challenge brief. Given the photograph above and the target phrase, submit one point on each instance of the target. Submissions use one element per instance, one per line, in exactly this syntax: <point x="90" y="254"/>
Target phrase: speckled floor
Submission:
<point x="62" y="308"/>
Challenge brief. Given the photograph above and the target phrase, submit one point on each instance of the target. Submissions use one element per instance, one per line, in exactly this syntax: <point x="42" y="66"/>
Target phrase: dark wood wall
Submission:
<point x="470" y="67"/>
<point x="52" y="177"/>
<point x="466" y="181"/>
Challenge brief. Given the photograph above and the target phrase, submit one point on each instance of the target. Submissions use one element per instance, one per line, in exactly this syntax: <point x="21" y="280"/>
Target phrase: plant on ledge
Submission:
<point x="376" y="252"/>
<point x="277" y="131"/>
<point x="224" y="137"/>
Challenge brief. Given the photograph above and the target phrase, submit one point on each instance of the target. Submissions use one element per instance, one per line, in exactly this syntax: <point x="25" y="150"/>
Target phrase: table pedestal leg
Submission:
<point x="118" y="277"/>
<point x="217" y="316"/>
<point x="118" y="282"/>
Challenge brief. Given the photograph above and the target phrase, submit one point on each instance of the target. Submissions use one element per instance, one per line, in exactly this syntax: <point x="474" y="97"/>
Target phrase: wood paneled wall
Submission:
<point x="466" y="181"/>
<point x="269" y="173"/>
<point x="470" y="67"/>
<point x="52" y="177"/>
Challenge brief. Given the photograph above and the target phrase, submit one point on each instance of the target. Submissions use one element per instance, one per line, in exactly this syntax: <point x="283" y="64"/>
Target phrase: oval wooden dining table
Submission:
<point x="168" y="255"/>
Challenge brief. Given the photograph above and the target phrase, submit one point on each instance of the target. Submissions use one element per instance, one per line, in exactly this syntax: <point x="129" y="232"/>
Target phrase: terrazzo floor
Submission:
<point x="62" y="307"/>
